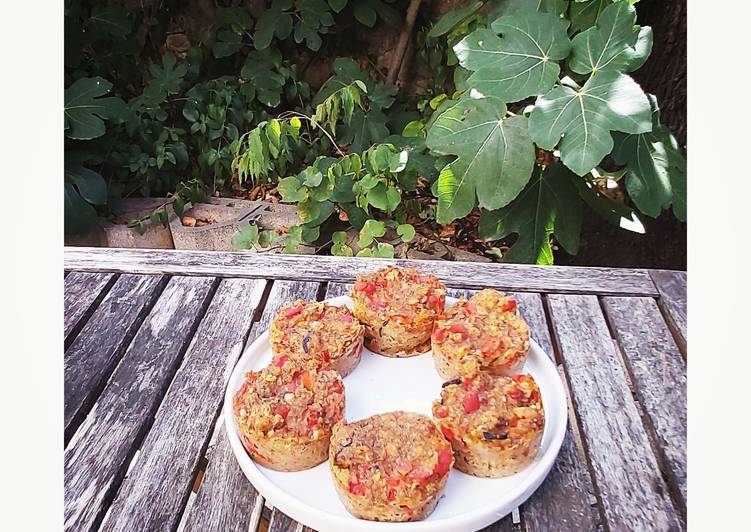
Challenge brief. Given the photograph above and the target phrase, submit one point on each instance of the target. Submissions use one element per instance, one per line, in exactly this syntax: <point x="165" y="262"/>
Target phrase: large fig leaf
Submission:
<point x="616" y="43"/>
<point x="584" y="15"/>
<point x="495" y="156"/>
<point x="548" y="205"/>
<point x="608" y="101"/>
<point x="85" y="111"/>
<point x="521" y="62"/>
<point x="656" y="176"/>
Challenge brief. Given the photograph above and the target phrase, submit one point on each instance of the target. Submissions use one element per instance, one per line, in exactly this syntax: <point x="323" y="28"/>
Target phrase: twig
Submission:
<point x="401" y="46"/>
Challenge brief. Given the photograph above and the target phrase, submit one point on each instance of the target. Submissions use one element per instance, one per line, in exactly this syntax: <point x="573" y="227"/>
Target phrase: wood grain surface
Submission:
<point x="633" y="492"/>
<point x="672" y="286"/>
<point x="526" y="278"/>
<point x="97" y="456"/>
<point x="93" y="355"/>
<point x="82" y="293"/>
<point x="156" y="490"/>
<point x="224" y="482"/>
<point x="659" y="374"/>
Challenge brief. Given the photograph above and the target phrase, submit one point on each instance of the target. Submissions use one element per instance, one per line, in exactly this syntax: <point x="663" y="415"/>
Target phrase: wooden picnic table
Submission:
<point x="151" y="337"/>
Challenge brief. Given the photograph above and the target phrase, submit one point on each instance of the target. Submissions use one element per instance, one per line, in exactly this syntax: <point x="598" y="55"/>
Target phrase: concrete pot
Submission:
<point x="229" y="215"/>
<point x="156" y="236"/>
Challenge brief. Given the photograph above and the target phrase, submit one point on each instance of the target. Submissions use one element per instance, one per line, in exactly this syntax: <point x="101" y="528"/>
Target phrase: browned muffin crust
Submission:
<point x="390" y="467"/>
<point x="285" y="413"/>
<point x="482" y="333"/>
<point x="328" y="336"/>
<point x="494" y="424"/>
<point x="398" y="308"/>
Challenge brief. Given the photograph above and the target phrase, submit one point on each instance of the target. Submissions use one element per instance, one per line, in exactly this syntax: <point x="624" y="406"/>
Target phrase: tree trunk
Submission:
<point x="664" y="74"/>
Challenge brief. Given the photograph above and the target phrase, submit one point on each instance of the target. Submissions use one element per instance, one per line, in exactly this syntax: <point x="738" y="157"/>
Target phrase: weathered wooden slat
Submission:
<point x="82" y="292"/>
<point x="631" y="488"/>
<point x="503" y="525"/>
<point x="97" y="349"/>
<point x="659" y="373"/>
<point x="97" y="456"/>
<point x="155" y="491"/>
<point x="526" y="278"/>
<point x="280" y="522"/>
<point x="224" y="483"/>
<point x="673" y="298"/>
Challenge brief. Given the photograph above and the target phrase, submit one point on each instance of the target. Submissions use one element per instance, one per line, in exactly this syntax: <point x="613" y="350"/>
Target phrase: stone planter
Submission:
<point x="229" y="215"/>
<point x="156" y="236"/>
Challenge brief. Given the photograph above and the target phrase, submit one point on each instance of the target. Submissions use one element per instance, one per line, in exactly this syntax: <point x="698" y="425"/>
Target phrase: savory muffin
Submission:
<point x="482" y="333"/>
<point x="285" y="414"/>
<point x="327" y="335"/>
<point x="398" y="308"/>
<point x="494" y="424"/>
<point x="390" y="467"/>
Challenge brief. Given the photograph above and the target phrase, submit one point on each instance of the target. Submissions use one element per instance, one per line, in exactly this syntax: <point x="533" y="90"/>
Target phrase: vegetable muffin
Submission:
<point x="390" y="467"/>
<point x="482" y="333"/>
<point x="285" y="414"/>
<point x="494" y="424"/>
<point x="329" y="336"/>
<point x="398" y="308"/>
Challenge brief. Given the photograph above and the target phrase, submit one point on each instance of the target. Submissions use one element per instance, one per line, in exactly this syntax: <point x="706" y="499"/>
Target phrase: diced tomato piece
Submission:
<point x="377" y="303"/>
<point x="441" y="411"/>
<point x="471" y="307"/>
<point x="444" y="461"/>
<point x="471" y="402"/>
<point x="357" y="488"/>
<point x="347" y="317"/>
<point x="365" y="287"/>
<point x="282" y="410"/>
<point x="337" y="387"/>
<point x="490" y="344"/>
<point x="466" y="383"/>
<point x="312" y="419"/>
<point x="290" y="387"/>
<point x="308" y="380"/>
<point x="393" y="482"/>
<point x="433" y="301"/>
<point x="325" y="355"/>
<point x="279" y="362"/>
<point x="391" y="494"/>
<point x="292" y="311"/>
<point x="509" y="306"/>
<point x="439" y="335"/>
<point x="447" y="432"/>
<point x="458" y="328"/>
<point x="518" y="378"/>
<point x="516" y="393"/>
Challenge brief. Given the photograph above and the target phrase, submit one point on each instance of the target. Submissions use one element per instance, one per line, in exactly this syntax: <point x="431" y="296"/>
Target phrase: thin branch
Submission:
<point x="401" y="46"/>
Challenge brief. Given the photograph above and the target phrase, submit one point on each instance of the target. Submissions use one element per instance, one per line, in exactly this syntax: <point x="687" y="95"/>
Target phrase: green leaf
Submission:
<point x="291" y="190"/>
<point x="245" y="238"/>
<point x="341" y="250"/>
<point x="612" y="43"/>
<point x="364" y="130"/>
<point x="310" y="234"/>
<point x="357" y="217"/>
<point x="267" y="238"/>
<point x="337" y="5"/>
<point x="415" y="128"/>
<point x="91" y="186"/>
<point x="179" y="206"/>
<point x="495" y="157"/>
<point x="384" y="250"/>
<point x="310" y="177"/>
<point x="339" y="237"/>
<point x="273" y="22"/>
<point x="85" y="110"/>
<point x="227" y="43"/>
<point x="112" y="19"/>
<point x="453" y="18"/>
<point x="365" y="13"/>
<point x="169" y="75"/>
<point x="79" y="216"/>
<point x="521" y="63"/>
<point x="292" y="239"/>
<point x="584" y="15"/>
<point x="370" y="230"/>
<point x="406" y="232"/>
<point x="609" y="101"/>
<point x="549" y="204"/>
<point x="614" y="212"/>
<point x="656" y="176"/>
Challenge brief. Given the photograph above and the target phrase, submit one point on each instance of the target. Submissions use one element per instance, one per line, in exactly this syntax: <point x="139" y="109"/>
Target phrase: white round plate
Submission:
<point x="380" y="384"/>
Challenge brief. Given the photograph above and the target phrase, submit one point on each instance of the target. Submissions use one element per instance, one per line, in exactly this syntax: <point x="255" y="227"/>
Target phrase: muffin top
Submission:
<point x="499" y="411"/>
<point x="483" y="332"/>
<point x="315" y="330"/>
<point x="286" y="400"/>
<point x="400" y="293"/>
<point x="397" y="456"/>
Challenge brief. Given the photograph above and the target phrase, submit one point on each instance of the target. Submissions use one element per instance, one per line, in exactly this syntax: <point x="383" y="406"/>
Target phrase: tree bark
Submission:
<point x="664" y="74"/>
